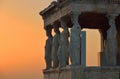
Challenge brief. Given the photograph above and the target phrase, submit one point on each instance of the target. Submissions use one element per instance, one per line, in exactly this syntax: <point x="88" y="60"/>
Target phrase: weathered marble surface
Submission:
<point x="111" y="49"/>
<point x="83" y="73"/>
<point x="75" y="39"/>
<point x="55" y="46"/>
<point x="63" y="53"/>
<point x="48" y="48"/>
<point x="98" y="6"/>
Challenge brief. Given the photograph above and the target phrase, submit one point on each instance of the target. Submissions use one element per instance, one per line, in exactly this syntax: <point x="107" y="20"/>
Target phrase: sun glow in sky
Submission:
<point x="22" y="39"/>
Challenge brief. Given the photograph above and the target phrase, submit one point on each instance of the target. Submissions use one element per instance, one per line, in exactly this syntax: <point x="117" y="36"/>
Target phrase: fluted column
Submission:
<point x="48" y="48"/>
<point x="63" y="54"/>
<point x="55" y="46"/>
<point x="111" y="49"/>
<point x="75" y="41"/>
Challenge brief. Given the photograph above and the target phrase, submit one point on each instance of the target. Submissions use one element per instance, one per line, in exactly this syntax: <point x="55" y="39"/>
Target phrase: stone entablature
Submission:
<point x="47" y="10"/>
<point x="56" y="10"/>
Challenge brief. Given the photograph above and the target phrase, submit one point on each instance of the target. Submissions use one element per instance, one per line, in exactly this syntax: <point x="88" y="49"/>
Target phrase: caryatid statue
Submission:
<point x="55" y="46"/>
<point x="63" y="53"/>
<point x="111" y="48"/>
<point x="75" y="41"/>
<point x="48" y="48"/>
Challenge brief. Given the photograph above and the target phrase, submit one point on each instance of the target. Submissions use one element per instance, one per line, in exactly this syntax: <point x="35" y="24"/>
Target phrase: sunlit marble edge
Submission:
<point x="94" y="68"/>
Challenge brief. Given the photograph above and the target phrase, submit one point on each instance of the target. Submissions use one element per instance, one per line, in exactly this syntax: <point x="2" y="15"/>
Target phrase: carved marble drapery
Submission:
<point x="48" y="48"/>
<point x="74" y="47"/>
<point x="111" y="49"/>
<point x="63" y="53"/>
<point x="55" y="46"/>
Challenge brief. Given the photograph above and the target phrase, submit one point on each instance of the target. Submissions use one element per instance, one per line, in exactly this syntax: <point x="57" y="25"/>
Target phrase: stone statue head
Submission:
<point x="63" y="23"/>
<point x="48" y="31"/>
<point x="56" y="29"/>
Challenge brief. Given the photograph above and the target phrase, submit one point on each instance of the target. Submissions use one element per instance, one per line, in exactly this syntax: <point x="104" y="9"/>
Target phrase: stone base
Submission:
<point x="83" y="73"/>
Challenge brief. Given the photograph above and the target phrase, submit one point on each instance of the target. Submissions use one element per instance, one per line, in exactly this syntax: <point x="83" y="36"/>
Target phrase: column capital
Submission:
<point x="75" y="18"/>
<point x="56" y="28"/>
<point x="112" y="16"/>
<point x="63" y="23"/>
<point x="48" y="31"/>
<point x="55" y="25"/>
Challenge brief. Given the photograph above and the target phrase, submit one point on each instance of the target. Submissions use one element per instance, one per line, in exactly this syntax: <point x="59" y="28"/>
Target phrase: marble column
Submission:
<point x="63" y="54"/>
<point x="75" y="43"/>
<point x="55" y="46"/>
<point x="111" y="45"/>
<point x="48" y="48"/>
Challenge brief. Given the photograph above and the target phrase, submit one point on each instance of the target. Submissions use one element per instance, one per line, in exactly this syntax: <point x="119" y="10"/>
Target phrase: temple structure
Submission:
<point x="75" y="15"/>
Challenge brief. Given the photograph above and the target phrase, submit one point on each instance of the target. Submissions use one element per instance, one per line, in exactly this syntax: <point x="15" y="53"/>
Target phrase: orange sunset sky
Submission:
<point x="22" y="40"/>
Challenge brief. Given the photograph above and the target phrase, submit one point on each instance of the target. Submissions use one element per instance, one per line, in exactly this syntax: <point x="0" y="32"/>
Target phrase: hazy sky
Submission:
<point x="22" y="40"/>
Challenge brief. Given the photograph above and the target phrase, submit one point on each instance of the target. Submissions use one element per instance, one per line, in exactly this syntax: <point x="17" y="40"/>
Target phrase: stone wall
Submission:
<point x="64" y="73"/>
<point x="83" y="73"/>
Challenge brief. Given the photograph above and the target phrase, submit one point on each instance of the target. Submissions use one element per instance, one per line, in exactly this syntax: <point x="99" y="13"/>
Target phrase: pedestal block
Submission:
<point x="83" y="73"/>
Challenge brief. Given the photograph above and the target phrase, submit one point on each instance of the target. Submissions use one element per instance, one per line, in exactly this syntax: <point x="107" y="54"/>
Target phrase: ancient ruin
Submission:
<point x="75" y="15"/>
